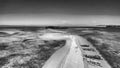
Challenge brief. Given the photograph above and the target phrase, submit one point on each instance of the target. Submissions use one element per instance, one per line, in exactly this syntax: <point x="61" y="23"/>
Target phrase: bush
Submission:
<point x="109" y="55"/>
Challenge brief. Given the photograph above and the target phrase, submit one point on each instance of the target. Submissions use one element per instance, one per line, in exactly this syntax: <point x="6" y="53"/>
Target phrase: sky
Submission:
<point x="59" y="12"/>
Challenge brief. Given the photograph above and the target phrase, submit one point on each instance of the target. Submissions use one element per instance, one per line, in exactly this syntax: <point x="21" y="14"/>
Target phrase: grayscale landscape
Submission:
<point x="59" y="34"/>
<point x="26" y="48"/>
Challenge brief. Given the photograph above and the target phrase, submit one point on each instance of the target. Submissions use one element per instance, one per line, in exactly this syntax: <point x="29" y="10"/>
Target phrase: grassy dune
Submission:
<point x="107" y="43"/>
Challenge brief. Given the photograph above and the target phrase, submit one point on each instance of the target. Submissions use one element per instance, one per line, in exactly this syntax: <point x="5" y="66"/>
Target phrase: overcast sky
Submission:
<point x="59" y="12"/>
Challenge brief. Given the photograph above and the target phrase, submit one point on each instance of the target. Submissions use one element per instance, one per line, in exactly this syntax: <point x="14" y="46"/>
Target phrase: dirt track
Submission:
<point x="73" y="54"/>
